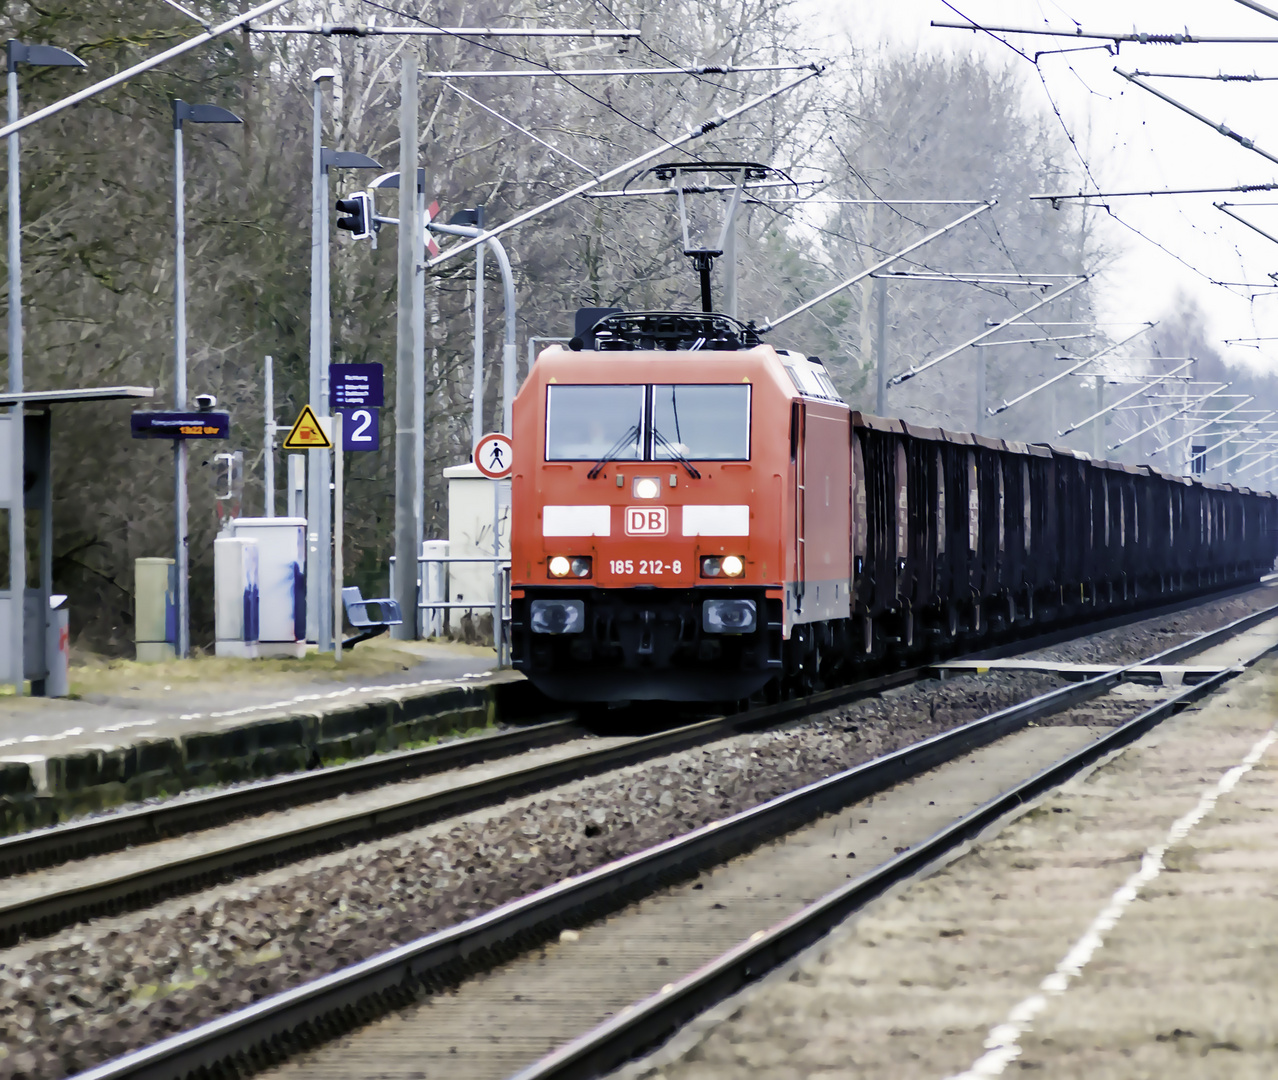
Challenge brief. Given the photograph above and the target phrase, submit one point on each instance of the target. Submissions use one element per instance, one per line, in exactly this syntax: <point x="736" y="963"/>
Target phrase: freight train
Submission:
<point x="697" y="516"/>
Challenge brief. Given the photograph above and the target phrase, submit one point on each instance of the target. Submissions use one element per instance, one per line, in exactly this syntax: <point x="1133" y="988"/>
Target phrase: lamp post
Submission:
<point x="319" y="509"/>
<point x="42" y="56"/>
<point x="196" y="114"/>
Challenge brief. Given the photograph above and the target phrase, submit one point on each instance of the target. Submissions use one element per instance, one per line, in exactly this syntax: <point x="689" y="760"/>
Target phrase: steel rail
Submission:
<point x="53" y="910"/>
<point x="148" y="824"/>
<point x="653" y="1020"/>
<point x="325" y="1006"/>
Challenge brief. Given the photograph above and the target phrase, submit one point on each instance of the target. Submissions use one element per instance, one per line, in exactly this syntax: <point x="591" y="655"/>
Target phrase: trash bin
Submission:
<point x="57" y="649"/>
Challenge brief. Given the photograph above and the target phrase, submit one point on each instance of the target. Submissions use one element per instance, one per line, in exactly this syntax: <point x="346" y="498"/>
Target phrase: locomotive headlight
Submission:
<point x="713" y="566"/>
<point x="647" y="487"/>
<point x="579" y="566"/>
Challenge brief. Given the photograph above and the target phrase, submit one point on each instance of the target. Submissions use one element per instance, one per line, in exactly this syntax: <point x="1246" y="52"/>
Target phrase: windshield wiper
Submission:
<point x="675" y="454"/>
<point x="614" y="450"/>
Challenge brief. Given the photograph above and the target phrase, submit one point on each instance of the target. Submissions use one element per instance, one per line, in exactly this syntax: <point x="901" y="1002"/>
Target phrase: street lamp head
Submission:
<point x="324" y="75"/>
<point x="39" y="56"/>
<point x="202" y="114"/>
<point x="390" y="181"/>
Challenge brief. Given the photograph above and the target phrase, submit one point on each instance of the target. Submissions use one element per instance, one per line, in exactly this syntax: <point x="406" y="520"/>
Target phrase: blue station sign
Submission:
<point x="197" y="424"/>
<point x="355" y="386"/>
<point x="361" y="429"/>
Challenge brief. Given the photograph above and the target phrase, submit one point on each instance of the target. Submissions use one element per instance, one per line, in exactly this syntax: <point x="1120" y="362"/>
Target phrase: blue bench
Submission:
<point x="388" y="615"/>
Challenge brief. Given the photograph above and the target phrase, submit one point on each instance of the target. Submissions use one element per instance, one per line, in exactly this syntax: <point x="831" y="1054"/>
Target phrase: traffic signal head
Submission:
<point x="357" y="209"/>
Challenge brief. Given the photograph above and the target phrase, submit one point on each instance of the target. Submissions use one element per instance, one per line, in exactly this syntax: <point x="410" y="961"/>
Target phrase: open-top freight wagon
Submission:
<point x="698" y="516"/>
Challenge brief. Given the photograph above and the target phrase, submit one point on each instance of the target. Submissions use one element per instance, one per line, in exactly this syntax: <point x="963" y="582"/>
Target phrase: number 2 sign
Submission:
<point x="360" y="429"/>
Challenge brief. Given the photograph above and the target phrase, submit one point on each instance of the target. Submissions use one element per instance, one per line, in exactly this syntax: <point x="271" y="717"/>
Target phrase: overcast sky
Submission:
<point x="1133" y="141"/>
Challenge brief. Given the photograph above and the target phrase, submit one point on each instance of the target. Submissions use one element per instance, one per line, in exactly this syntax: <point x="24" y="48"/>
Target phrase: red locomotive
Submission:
<point x="697" y="516"/>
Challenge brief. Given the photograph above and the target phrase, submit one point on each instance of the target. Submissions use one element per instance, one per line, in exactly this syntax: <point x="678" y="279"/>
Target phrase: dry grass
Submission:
<point x="93" y="674"/>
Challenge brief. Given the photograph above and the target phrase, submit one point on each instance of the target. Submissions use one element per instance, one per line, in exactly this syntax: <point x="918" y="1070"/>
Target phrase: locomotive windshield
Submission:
<point x="648" y="423"/>
<point x="585" y="423"/>
<point x="704" y="423"/>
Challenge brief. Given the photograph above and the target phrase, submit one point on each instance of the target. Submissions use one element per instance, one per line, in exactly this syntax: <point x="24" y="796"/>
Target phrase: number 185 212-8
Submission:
<point x="654" y="567"/>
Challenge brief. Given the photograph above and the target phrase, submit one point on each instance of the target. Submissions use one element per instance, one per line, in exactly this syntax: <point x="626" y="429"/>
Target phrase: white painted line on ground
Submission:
<point x="244" y="710"/>
<point x="109" y="728"/>
<point x="1002" y="1045"/>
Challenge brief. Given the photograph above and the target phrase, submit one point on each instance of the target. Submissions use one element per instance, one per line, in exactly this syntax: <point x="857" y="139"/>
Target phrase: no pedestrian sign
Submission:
<point x="493" y="455"/>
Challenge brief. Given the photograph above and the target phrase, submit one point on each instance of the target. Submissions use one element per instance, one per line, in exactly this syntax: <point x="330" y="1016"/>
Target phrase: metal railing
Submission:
<point x="433" y="602"/>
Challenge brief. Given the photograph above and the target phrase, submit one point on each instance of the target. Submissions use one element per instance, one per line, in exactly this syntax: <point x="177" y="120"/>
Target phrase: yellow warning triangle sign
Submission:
<point x="307" y="434"/>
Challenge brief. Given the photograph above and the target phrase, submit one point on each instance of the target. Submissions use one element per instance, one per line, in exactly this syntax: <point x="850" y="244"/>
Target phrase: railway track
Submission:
<point x="39" y="907"/>
<point x="685" y="985"/>
<point x="42" y="904"/>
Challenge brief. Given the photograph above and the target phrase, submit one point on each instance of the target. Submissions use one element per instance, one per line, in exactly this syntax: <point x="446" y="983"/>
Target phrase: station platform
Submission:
<point x="133" y="730"/>
<point x="1126" y="926"/>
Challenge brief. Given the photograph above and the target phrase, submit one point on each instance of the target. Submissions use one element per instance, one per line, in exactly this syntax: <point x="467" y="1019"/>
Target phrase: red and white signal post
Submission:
<point x="494" y="454"/>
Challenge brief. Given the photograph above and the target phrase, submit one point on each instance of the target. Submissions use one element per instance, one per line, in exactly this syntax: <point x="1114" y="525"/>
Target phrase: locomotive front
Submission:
<point x="646" y="549"/>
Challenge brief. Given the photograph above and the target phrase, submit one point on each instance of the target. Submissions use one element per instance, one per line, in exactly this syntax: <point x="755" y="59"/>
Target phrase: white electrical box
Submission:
<point x="281" y="582"/>
<point x="235" y="596"/>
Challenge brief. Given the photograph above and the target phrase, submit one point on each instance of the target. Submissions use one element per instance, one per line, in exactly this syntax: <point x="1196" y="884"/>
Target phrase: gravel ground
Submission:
<point x="98" y="995"/>
<point x="1141" y="639"/>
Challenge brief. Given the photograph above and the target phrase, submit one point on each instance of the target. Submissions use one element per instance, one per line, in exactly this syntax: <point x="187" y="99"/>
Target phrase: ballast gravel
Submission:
<point x="101" y="994"/>
<point x="1129" y="643"/>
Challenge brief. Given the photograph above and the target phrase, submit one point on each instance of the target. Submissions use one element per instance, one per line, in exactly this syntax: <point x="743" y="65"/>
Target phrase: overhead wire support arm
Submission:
<point x="896" y="380"/>
<point x="1252" y="428"/>
<point x="370" y="29"/>
<point x="1202" y="427"/>
<point x="1222" y="129"/>
<point x="1082" y="363"/>
<point x="1135" y="37"/>
<point x="1032" y="340"/>
<point x="1026" y="280"/>
<point x="878" y="202"/>
<point x="1121" y="401"/>
<point x="518" y="127"/>
<point x="772" y="324"/>
<point x="1259" y="461"/>
<point x="1171" y="416"/>
<point x="556" y="73"/>
<point x="697" y="189"/>
<point x="1250" y="448"/>
<point x="137" y="69"/>
<point x="1222" y="77"/>
<point x="1058" y="197"/>
<point x="1259" y="8"/>
<point x="703" y="128"/>
<point x="1224" y="208"/>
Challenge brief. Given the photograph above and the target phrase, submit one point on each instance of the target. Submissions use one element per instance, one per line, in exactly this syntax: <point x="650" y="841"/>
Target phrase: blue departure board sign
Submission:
<point x="354" y="386"/>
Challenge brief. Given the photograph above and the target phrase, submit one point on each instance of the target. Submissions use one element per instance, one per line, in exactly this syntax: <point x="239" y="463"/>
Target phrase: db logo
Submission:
<point x="646" y="521"/>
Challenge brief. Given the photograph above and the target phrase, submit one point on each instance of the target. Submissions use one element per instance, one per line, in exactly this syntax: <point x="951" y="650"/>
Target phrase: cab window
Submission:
<point x="700" y="423"/>
<point x="585" y="423"/>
